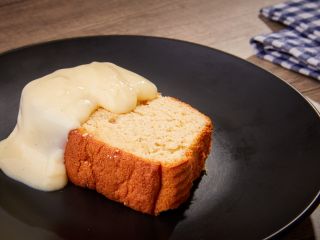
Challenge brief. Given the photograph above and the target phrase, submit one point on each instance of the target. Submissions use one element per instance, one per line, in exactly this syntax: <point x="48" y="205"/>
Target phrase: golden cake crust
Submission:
<point x="142" y="184"/>
<point x="138" y="183"/>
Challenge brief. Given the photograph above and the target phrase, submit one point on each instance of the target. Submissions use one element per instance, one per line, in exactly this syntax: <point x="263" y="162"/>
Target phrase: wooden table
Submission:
<point x="221" y="24"/>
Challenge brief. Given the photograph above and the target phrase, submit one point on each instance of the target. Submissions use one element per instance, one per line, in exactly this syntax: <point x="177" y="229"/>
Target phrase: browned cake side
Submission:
<point x="140" y="183"/>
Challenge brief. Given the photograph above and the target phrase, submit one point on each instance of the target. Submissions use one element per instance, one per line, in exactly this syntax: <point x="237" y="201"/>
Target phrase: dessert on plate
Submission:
<point x="108" y="129"/>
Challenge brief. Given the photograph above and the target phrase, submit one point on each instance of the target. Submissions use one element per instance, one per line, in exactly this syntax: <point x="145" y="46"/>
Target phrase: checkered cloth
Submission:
<point x="298" y="47"/>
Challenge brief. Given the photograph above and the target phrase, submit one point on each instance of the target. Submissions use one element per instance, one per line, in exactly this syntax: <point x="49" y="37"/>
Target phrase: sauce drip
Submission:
<point x="55" y="104"/>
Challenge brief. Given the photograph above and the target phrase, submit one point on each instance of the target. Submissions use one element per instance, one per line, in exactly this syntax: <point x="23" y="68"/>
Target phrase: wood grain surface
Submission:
<point x="221" y="24"/>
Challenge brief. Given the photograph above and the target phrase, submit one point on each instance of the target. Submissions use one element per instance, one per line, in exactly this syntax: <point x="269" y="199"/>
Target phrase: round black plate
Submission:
<point x="262" y="175"/>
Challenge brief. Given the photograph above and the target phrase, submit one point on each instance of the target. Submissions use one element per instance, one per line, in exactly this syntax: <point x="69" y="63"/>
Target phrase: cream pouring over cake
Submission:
<point x="107" y="128"/>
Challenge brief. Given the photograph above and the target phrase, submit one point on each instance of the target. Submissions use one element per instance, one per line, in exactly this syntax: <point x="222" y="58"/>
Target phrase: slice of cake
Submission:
<point x="146" y="159"/>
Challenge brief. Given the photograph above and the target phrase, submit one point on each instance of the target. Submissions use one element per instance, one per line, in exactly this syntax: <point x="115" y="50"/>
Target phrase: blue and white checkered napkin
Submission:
<point x="298" y="47"/>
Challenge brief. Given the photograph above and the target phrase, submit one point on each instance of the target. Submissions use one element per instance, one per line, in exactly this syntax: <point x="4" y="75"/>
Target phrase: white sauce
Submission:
<point x="53" y="105"/>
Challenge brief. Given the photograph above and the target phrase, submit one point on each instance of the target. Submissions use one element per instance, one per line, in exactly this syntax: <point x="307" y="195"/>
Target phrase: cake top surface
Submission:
<point x="162" y="130"/>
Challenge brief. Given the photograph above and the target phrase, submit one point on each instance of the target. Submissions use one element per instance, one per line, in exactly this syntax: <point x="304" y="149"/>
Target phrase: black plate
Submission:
<point x="263" y="173"/>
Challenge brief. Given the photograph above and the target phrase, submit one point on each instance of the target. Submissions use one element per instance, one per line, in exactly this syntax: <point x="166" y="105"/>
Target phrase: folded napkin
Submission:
<point x="298" y="47"/>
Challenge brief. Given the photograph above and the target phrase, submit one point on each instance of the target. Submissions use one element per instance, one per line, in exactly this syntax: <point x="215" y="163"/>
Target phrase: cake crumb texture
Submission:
<point x="146" y="159"/>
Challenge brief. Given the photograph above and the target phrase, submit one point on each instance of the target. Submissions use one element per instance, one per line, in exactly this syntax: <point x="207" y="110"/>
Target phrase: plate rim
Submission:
<point x="315" y="201"/>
